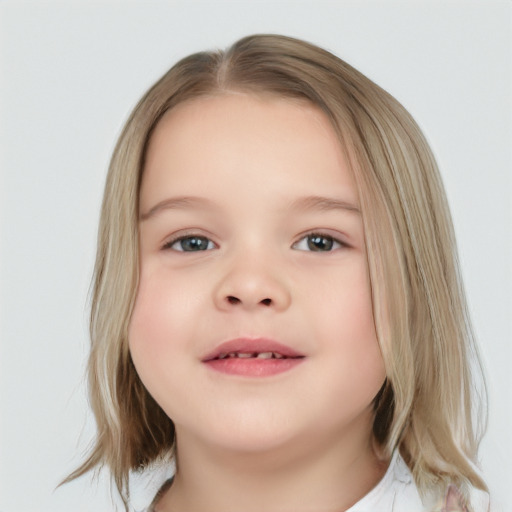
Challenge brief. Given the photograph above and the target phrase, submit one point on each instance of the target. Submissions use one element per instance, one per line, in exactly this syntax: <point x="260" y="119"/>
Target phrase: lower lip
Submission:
<point x="253" y="367"/>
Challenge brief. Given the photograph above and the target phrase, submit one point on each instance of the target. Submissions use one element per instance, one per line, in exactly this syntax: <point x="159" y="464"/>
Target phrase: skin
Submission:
<point x="300" y="440"/>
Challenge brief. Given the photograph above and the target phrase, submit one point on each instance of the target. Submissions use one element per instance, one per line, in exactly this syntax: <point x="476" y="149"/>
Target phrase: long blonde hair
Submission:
<point x="429" y="405"/>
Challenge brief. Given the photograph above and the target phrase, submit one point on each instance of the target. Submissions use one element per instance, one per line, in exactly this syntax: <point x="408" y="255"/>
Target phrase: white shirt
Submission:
<point x="397" y="492"/>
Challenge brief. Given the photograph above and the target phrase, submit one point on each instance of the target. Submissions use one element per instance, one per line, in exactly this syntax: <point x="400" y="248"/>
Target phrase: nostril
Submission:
<point x="233" y="300"/>
<point x="266" y="302"/>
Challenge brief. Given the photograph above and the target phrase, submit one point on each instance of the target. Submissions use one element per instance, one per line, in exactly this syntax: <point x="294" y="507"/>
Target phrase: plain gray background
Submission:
<point x="69" y="74"/>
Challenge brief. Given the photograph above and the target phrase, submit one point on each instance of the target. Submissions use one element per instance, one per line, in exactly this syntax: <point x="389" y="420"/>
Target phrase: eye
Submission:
<point x="318" y="242"/>
<point x="191" y="243"/>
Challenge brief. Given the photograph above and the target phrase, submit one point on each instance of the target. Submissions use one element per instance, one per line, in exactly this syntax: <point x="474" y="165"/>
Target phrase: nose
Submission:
<point x="252" y="285"/>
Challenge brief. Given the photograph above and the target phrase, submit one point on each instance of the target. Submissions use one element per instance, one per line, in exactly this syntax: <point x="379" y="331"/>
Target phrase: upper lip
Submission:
<point x="251" y="345"/>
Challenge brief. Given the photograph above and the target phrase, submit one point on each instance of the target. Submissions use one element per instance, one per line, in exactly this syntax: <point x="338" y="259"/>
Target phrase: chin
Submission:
<point x="254" y="435"/>
<point x="257" y="448"/>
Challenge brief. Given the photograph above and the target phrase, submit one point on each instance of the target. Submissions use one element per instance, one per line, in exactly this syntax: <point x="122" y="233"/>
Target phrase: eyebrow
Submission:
<point x="318" y="203"/>
<point x="321" y="203"/>
<point x="174" y="203"/>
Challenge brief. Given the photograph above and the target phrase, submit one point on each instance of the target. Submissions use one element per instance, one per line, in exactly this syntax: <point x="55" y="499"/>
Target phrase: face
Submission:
<point x="253" y="322"/>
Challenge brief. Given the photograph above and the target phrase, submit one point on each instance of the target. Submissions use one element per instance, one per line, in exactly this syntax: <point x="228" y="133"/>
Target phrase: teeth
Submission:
<point x="265" y="355"/>
<point x="247" y="355"/>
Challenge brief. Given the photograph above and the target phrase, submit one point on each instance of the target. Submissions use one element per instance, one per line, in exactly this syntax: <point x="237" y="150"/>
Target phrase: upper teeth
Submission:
<point x="258" y="355"/>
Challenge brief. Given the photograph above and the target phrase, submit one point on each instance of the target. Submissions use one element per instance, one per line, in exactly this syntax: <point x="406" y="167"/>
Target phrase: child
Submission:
<point x="277" y="305"/>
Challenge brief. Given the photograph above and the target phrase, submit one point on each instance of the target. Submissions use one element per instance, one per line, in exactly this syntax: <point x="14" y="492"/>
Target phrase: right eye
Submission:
<point x="191" y="243"/>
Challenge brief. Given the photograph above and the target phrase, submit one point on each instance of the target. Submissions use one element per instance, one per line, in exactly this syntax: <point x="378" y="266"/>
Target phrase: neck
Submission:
<point x="322" y="476"/>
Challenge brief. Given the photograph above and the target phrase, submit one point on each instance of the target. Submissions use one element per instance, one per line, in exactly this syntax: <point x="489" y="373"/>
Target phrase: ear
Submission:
<point x="453" y="501"/>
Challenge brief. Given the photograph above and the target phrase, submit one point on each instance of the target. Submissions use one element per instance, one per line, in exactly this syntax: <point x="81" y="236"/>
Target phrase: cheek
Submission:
<point x="345" y="304"/>
<point x="159" y="325"/>
<point x="146" y="333"/>
<point x="348" y="325"/>
<point x="163" y="308"/>
<point x="159" y="330"/>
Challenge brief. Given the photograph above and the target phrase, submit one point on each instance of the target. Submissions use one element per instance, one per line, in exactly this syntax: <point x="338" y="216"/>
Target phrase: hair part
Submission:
<point x="427" y="408"/>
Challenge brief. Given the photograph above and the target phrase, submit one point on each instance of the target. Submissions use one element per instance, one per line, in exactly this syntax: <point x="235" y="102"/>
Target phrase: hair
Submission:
<point x="430" y="406"/>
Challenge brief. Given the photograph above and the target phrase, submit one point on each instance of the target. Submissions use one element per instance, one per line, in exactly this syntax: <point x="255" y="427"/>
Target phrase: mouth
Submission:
<point x="253" y="357"/>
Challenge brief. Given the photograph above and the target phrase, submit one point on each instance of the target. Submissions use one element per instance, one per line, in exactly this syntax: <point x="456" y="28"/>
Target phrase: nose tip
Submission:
<point x="252" y="288"/>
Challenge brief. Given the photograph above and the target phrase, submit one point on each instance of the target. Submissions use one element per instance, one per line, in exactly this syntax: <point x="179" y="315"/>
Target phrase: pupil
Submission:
<point x="320" y="243"/>
<point x="194" y="243"/>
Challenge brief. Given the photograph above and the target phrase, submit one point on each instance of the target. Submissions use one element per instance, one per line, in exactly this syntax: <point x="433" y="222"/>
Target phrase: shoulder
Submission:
<point x="474" y="501"/>
<point x="397" y="492"/>
<point x="408" y="498"/>
<point x="480" y="501"/>
<point x="159" y="494"/>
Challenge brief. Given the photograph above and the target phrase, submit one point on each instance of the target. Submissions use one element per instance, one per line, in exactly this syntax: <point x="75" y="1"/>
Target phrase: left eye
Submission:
<point x="190" y="244"/>
<point x="318" y="243"/>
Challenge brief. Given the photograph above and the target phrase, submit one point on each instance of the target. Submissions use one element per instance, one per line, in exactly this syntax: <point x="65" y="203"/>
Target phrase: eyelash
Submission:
<point x="335" y="242"/>
<point x="169" y="245"/>
<point x="332" y="242"/>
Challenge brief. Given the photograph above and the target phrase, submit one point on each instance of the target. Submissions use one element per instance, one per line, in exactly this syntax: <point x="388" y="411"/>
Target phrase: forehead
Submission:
<point x="247" y="140"/>
<point x="243" y="111"/>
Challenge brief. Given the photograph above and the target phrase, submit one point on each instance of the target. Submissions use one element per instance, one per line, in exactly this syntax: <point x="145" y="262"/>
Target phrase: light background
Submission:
<point x="70" y="73"/>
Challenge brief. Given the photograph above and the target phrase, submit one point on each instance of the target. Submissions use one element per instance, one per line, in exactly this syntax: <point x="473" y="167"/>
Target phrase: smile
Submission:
<point x="253" y="358"/>
<point x="257" y="355"/>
